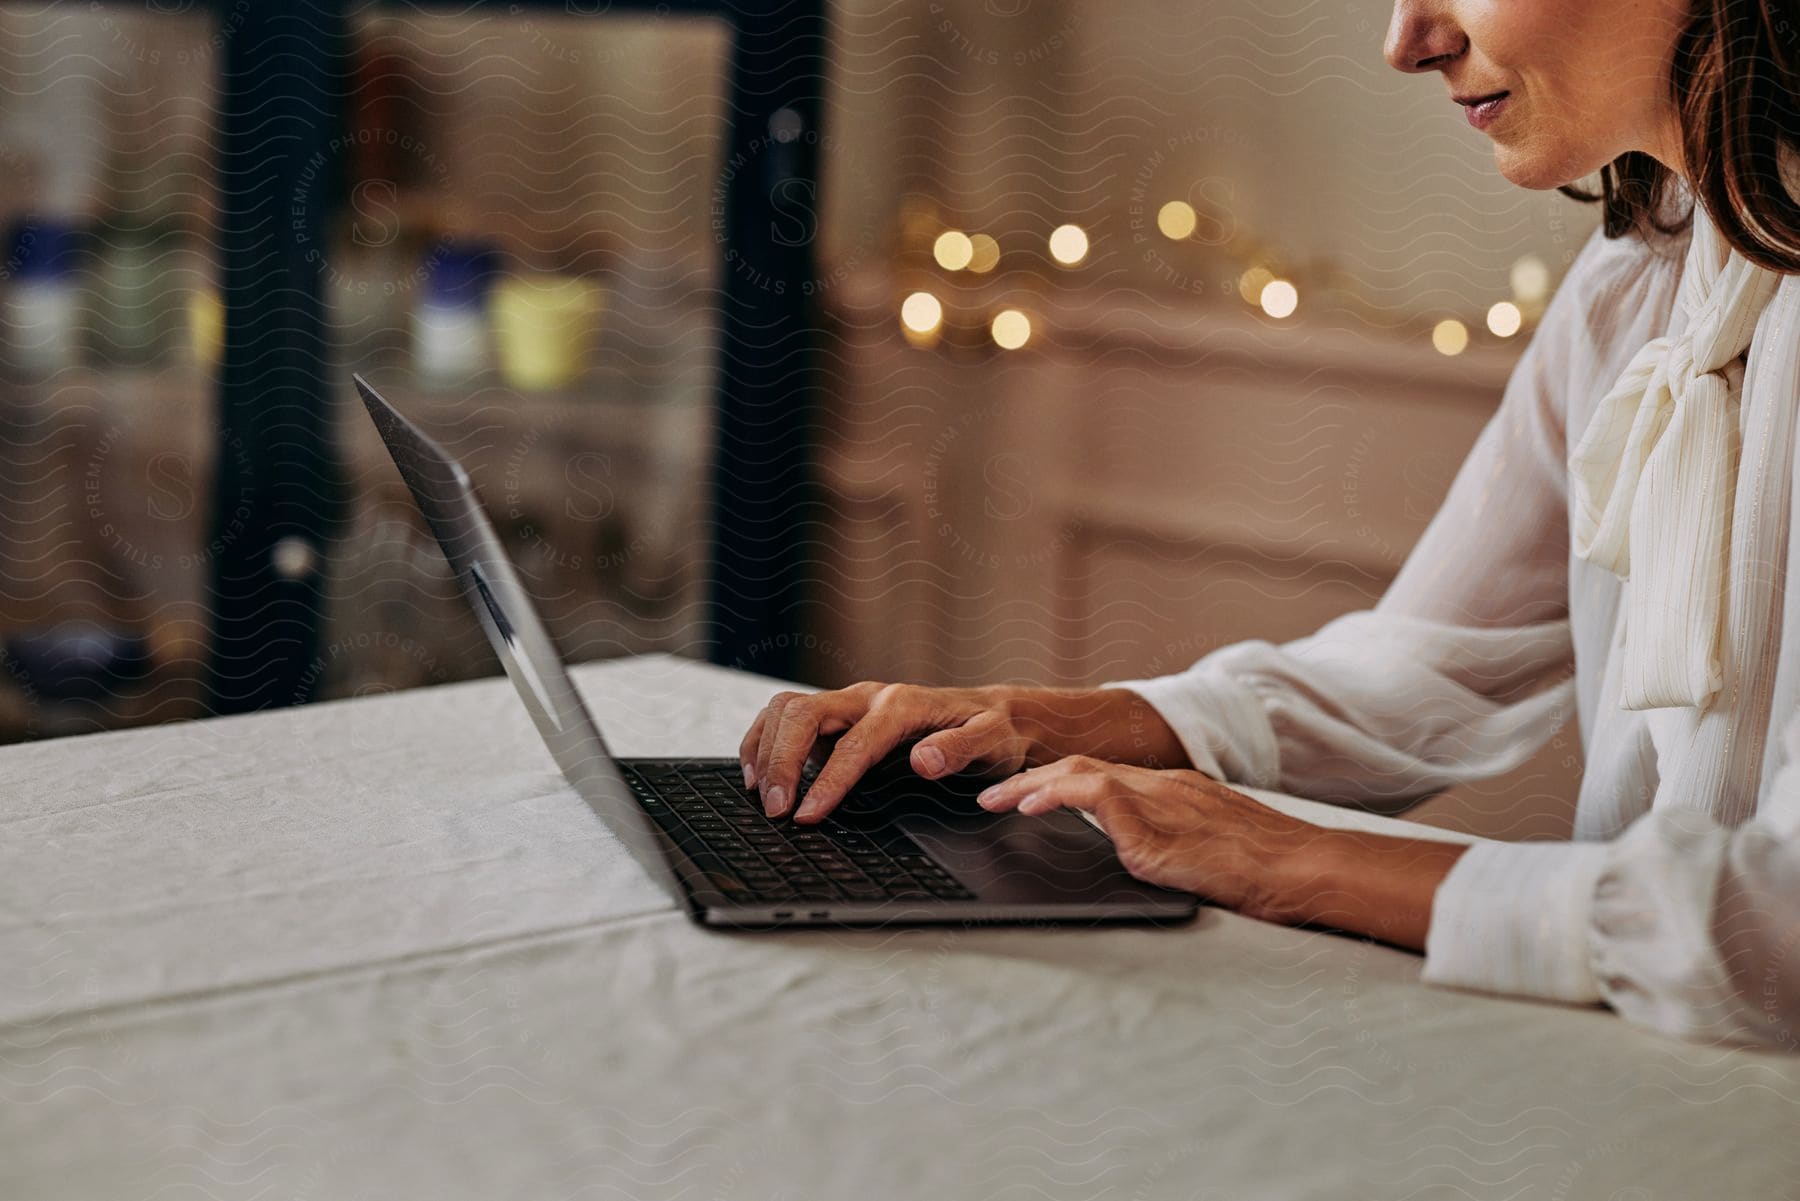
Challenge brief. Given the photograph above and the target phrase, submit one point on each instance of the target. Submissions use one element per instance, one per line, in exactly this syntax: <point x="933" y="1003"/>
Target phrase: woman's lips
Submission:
<point x="1485" y="111"/>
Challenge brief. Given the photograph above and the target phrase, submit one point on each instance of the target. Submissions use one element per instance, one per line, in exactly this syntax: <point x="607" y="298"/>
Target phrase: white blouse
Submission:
<point x="1678" y="902"/>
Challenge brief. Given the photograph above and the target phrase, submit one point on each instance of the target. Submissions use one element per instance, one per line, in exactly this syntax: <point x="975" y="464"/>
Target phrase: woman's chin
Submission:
<point x="1534" y="169"/>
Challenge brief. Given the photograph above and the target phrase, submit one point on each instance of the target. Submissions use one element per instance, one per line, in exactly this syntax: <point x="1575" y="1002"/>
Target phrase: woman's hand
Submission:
<point x="1179" y="829"/>
<point x="997" y="729"/>
<point x="983" y="729"/>
<point x="1185" y="830"/>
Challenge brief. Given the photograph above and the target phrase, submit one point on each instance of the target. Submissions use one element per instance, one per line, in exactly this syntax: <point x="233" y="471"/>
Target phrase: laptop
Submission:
<point x="897" y="849"/>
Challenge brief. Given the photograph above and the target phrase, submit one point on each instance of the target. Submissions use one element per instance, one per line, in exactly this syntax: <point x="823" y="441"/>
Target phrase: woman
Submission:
<point x="1625" y="514"/>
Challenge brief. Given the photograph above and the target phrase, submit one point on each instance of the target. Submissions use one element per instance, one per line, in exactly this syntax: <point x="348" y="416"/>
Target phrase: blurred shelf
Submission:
<point x="676" y="434"/>
<point x="160" y="389"/>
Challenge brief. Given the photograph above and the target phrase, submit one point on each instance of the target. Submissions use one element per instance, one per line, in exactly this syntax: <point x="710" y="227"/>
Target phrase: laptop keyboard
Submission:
<point x="720" y="825"/>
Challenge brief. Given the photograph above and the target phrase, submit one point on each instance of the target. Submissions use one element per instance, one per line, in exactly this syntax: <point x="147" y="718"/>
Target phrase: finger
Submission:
<point x="765" y="746"/>
<point x="747" y="748"/>
<point x="1089" y="792"/>
<point x="793" y="740"/>
<point x="982" y="740"/>
<point x="1010" y="792"/>
<point x="861" y="747"/>
<point x="790" y="741"/>
<point x="1127" y="806"/>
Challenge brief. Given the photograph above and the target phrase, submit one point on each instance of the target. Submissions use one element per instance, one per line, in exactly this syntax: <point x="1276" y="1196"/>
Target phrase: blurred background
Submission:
<point x="950" y="341"/>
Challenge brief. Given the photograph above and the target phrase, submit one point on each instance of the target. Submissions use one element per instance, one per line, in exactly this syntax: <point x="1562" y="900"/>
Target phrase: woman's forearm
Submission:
<point x="1114" y="724"/>
<point x="1374" y="884"/>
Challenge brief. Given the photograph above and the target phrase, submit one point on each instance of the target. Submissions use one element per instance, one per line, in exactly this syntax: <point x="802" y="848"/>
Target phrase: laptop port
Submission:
<point x="819" y="913"/>
<point x="782" y="915"/>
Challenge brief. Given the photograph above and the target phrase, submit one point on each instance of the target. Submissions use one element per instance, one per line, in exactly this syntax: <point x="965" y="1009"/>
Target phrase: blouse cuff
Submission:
<point x="1512" y="917"/>
<point x="1220" y="722"/>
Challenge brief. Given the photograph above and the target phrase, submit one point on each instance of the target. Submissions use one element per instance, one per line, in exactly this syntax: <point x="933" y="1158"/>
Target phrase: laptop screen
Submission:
<point x="446" y="496"/>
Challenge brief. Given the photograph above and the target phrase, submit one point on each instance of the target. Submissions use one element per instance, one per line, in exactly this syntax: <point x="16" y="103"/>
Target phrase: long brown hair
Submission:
<point x="1736" y="82"/>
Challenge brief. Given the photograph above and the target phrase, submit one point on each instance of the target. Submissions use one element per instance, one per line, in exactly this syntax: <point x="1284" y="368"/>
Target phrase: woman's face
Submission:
<point x="1583" y="82"/>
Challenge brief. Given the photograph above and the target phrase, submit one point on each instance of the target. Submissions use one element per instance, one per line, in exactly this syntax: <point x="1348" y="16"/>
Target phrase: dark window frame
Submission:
<point x="275" y="386"/>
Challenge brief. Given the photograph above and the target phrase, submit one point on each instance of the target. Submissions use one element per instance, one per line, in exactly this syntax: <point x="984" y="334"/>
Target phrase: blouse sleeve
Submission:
<point x="1464" y="667"/>
<point x="1679" y="924"/>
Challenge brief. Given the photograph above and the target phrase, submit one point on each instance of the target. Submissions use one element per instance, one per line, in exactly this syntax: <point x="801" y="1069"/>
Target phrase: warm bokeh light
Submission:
<point x="1011" y="329"/>
<point x="1068" y="244"/>
<point x="984" y="254"/>
<point x="1252" y="282"/>
<point x="1504" y="319"/>
<point x="1177" y="220"/>
<point x="1279" y="298"/>
<point x="921" y="313"/>
<point x="1450" y="336"/>
<point x="1530" y="279"/>
<point x="953" y="250"/>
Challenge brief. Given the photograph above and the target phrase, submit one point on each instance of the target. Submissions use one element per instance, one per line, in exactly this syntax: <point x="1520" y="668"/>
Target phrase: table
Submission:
<point x="376" y="948"/>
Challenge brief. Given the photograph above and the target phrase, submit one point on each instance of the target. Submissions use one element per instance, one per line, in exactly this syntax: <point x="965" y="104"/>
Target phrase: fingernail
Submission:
<point x="931" y="759"/>
<point x="749" y="776"/>
<point x="1025" y="804"/>
<point x="988" y="797"/>
<point x="774" y="801"/>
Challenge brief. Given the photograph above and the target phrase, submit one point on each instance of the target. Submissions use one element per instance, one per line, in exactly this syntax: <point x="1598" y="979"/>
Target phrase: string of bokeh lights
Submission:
<point x="922" y="312"/>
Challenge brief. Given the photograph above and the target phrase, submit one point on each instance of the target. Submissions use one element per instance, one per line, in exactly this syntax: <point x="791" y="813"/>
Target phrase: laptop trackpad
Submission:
<point x="1013" y="857"/>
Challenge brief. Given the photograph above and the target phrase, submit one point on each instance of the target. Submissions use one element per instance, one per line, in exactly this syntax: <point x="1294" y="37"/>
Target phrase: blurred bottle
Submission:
<point x="544" y="327"/>
<point x="451" y="335"/>
<point x="369" y="302"/>
<point x="44" y="302"/>
<point x="206" y="327"/>
<point x="387" y="105"/>
<point x="139" y="297"/>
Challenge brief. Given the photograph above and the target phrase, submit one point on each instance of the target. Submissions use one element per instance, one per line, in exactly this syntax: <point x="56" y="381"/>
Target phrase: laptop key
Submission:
<point x="868" y="862"/>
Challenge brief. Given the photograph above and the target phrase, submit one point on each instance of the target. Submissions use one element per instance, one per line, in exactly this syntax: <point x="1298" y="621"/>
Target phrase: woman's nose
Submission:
<point x="1422" y="36"/>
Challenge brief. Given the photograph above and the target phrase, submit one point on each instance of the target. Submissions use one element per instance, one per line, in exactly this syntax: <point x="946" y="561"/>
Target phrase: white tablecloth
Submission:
<point x="377" y="949"/>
